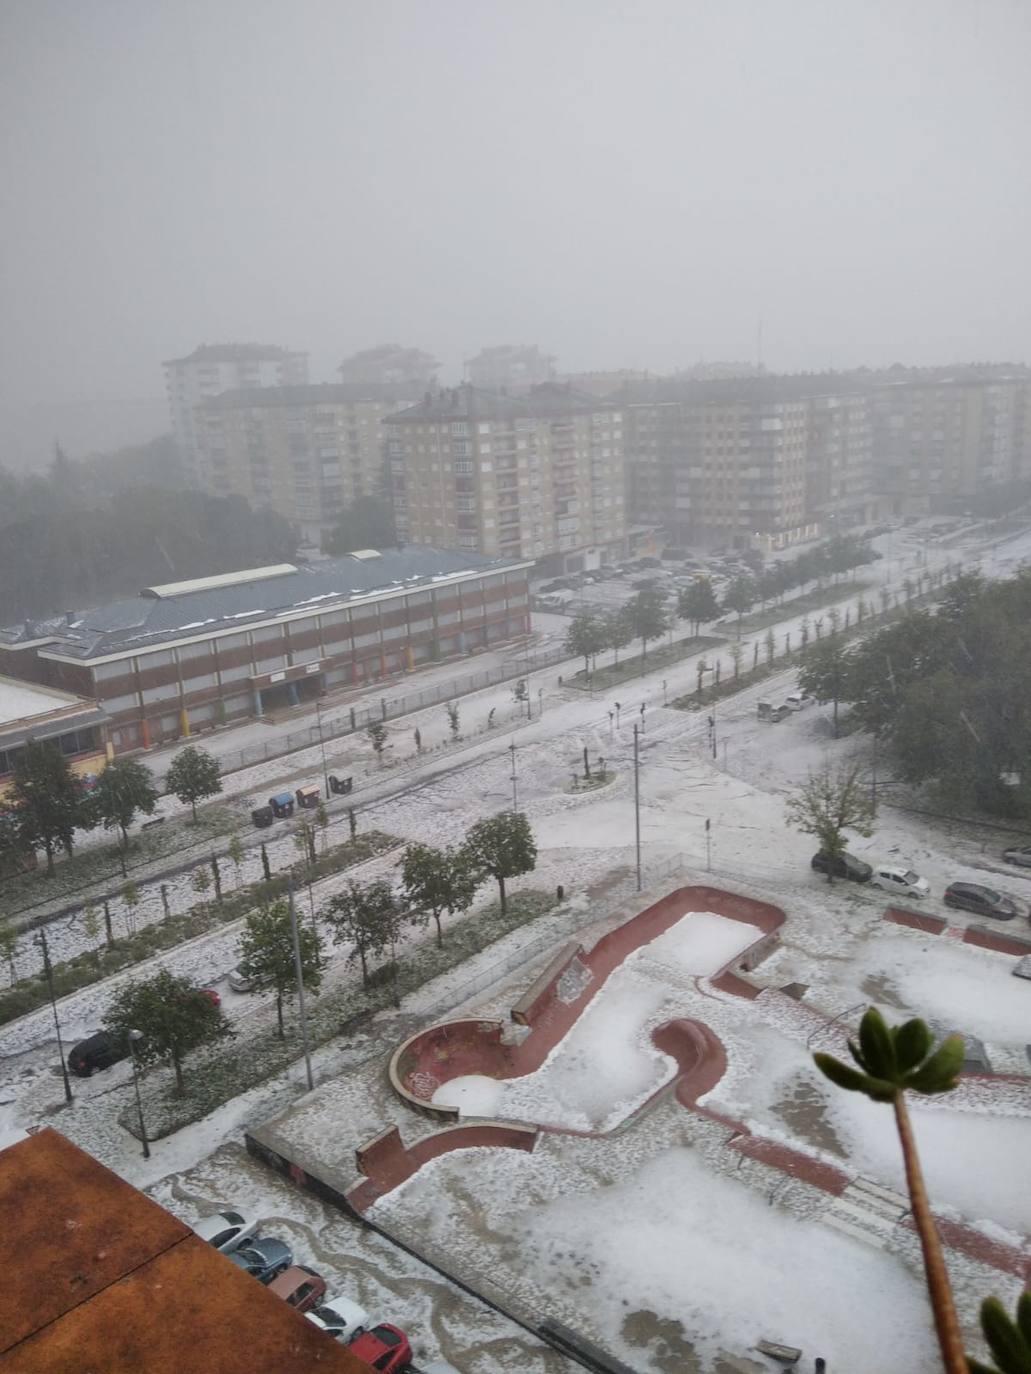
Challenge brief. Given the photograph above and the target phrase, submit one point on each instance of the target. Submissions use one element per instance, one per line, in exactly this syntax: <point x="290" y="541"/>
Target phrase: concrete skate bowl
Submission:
<point x="558" y="997"/>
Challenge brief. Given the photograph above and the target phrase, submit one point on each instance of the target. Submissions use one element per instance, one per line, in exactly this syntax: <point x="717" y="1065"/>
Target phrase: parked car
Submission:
<point x="239" y="981"/>
<point x="226" y="1230"/>
<point x="844" y="866"/>
<point x="798" y="701"/>
<point x="385" y="1347"/>
<point x="300" y="1286"/>
<point x="902" y="881"/>
<point x="99" y="1051"/>
<point x="340" y="1318"/>
<point x="985" y="901"/>
<point x="263" y="1257"/>
<point x="211" y="995"/>
<point x="1021" y="856"/>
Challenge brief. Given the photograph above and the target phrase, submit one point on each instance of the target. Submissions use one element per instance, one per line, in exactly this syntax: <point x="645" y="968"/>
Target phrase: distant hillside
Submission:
<point x="28" y="433"/>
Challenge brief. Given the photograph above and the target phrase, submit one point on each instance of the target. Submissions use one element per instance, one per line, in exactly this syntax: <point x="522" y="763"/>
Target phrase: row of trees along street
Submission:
<point x="174" y="1016"/>
<point x="944" y="693"/>
<point x="645" y="616"/>
<point x="47" y="802"/>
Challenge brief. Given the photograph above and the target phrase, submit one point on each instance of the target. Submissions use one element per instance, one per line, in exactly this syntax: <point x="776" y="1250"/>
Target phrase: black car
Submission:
<point x="985" y="901"/>
<point x="844" y="866"/>
<point x="100" y="1051"/>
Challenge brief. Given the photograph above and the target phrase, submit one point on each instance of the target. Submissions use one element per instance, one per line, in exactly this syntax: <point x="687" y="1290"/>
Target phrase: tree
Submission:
<point x="437" y="880"/>
<point x="90" y="921"/>
<point x="829" y="803"/>
<point x="770" y="646"/>
<point x="646" y="616"/>
<point x="825" y="675"/>
<point x="892" y="1060"/>
<point x="697" y="604"/>
<point x="173" y="1015"/>
<point x="235" y="852"/>
<point x="740" y="597"/>
<point x="452" y="718"/>
<point x="503" y="847"/>
<point x="378" y="738"/>
<point x="267" y="954"/>
<point x="619" y="632"/>
<point x="202" y="885"/>
<point x="368" y="523"/>
<point x="9" y="946"/>
<point x="322" y="821"/>
<point x="124" y="790"/>
<point x="192" y="775"/>
<point x="367" y="917"/>
<point x="131" y="898"/>
<point x="586" y="637"/>
<point x="47" y="798"/>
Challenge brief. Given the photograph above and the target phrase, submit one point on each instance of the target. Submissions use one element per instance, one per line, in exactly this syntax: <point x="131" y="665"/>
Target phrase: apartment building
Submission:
<point x="305" y="451"/>
<point x="539" y="476"/>
<point x="212" y="369"/>
<point x="390" y="365"/>
<point x="513" y="368"/>
<point x="760" y="461"/>
<point x="941" y="438"/>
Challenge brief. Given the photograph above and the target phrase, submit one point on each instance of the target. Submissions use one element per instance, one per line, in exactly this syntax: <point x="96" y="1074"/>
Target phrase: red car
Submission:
<point x="211" y="995"/>
<point x="301" y="1287"/>
<point x="384" y="1347"/>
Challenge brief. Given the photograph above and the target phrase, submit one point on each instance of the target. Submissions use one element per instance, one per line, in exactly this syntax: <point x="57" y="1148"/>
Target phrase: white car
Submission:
<point x="226" y="1230"/>
<point x="798" y="700"/>
<point x="239" y="981"/>
<point x="902" y="881"/>
<point x="340" y="1318"/>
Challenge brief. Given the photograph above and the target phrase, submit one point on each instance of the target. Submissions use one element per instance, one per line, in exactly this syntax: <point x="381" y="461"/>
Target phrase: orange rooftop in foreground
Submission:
<point x="104" y="1280"/>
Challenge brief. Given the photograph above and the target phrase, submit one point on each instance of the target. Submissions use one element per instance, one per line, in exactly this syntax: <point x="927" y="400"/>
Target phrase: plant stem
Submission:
<point x="946" y="1323"/>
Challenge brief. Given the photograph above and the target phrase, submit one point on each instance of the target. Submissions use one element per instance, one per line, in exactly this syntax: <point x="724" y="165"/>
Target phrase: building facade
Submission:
<point x="390" y="365"/>
<point x="536" y="477"/>
<point x="212" y="369"/>
<point x="305" y="451"/>
<point x="512" y="368"/>
<point x="28" y="711"/>
<point x="193" y="655"/>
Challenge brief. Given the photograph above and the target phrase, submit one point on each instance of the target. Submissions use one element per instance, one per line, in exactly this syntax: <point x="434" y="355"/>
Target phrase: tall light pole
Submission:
<point x="134" y="1037"/>
<point x="515" y="793"/>
<point x="637" y="806"/>
<point x="48" y="974"/>
<point x="322" y="746"/>
<point x="301" y="1009"/>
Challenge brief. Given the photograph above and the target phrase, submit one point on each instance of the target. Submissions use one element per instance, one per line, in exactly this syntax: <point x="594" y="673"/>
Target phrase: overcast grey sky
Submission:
<point x="628" y="184"/>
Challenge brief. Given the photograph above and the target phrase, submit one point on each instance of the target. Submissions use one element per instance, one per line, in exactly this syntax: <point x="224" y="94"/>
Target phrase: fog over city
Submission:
<point x="635" y="185"/>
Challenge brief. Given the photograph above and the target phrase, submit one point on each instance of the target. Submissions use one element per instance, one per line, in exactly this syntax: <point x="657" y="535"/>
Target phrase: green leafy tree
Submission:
<point x="829" y="803"/>
<point x="322" y="821"/>
<point x="740" y="597"/>
<point x="267" y="954"/>
<point x="586" y="637"/>
<point x="619" y="632"/>
<point x="202" y="884"/>
<point x="378" y="738"/>
<point x="437" y="880"/>
<point x="47" y="797"/>
<point x="235" y="852"/>
<point x="825" y="675"/>
<point x="453" y="718"/>
<point x="503" y="847"/>
<point x="91" y="922"/>
<point x="367" y="918"/>
<point x="173" y="1015"/>
<point x="697" y="604"/>
<point x="124" y="790"/>
<point x="9" y="946"/>
<point x="192" y="775"/>
<point x="770" y="646"/>
<point x="891" y="1061"/>
<point x="368" y="523"/>
<point x="646" y="616"/>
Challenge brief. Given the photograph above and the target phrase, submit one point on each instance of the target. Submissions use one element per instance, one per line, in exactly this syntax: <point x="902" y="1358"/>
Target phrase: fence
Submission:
<point x="359" y="718"/>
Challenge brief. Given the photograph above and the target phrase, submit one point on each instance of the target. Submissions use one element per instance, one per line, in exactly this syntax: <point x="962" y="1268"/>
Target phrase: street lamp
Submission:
<point x="135" y="1036"/>
<point x="515" y="794"/>
<point x="322" y="746"/>
<point x="48" y="974"/>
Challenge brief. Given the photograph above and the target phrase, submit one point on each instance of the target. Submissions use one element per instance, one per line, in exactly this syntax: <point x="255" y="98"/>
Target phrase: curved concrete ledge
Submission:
<point x="554" y="1001"/>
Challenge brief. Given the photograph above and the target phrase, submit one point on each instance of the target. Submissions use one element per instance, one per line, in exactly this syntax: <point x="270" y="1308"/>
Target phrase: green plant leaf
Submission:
<point x="858" y="1056"/>
<point x="976" y="1367"/>
<point x="912" y="1044"/>
<point x="1024" y="1316"/>
<point x="1011" y="1352"/>
<point x="941" y="1071"/>
<point x="844" y="1076"/>
<point x="875" y="1040"/>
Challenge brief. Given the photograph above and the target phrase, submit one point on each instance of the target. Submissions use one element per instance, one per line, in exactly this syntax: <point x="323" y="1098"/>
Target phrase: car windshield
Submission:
<point x="910" y="876"/>
<point x="989" y="895"/>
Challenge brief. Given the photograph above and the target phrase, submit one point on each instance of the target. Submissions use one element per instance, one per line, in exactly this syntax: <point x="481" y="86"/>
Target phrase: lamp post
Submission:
<point x="322" y="746"/>
<point x="515" y="793"/>
<point x="134" y="1037"/>
<point x="637" y="807"/>
<point x="301" y="1008"/>
<point x="48" y="974"/>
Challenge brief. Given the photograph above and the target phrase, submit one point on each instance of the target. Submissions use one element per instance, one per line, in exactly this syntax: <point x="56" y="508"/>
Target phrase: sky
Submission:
<point x="626" y="184"/>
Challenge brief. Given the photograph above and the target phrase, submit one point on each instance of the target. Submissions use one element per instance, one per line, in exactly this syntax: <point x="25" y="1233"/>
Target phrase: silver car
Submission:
<point x="1021" y="856"/>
